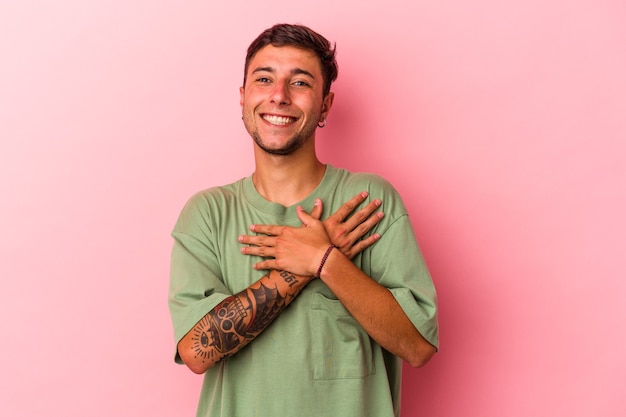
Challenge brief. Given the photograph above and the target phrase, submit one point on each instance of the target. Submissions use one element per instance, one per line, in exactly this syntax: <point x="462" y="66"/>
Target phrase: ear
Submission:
<point x="241" y="95"/>
<point x="327" y="103"/>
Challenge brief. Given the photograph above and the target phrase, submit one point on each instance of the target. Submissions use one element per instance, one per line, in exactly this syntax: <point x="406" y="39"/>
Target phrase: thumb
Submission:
<point x="316" y="213"/>
<point x="306" y="219"/>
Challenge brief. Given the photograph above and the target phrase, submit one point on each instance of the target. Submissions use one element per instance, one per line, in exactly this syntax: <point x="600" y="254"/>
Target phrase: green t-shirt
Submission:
<point x="314" y="359"/>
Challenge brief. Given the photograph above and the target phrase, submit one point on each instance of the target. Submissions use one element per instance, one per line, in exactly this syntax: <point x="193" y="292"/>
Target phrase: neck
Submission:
<point x="287" y="179"/>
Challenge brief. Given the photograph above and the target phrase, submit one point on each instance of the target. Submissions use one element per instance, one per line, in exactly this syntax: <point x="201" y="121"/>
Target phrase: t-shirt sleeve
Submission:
<point x="397" y="263"/>
<point x="196" y="285"/>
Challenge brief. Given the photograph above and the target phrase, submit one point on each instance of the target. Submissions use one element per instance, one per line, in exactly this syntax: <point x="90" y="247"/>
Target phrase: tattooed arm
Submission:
<point x="303" y="250"/>
<point x="238" y="319"/>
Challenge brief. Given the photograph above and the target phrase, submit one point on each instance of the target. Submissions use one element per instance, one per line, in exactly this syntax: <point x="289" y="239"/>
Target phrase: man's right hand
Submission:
<point x="346" y="230"/>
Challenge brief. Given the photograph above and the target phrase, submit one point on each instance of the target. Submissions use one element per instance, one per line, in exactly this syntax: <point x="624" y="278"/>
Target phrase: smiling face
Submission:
<point x="283" y="100"/>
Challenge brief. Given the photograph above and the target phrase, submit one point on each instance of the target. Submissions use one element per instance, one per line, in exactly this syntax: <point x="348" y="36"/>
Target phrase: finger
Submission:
<point x="349" y="206"/>
<point x="364" y="216"/>
<point x="306" y="219"/>
<point x="260" y="240"/>
<point x="266" y="264"/>
<point x="363" y="244"/>
<point x="361" y="230"/>
<point x="267" y="229"/>
<point x="316" y="213"/>
<point x="262" y="251"/>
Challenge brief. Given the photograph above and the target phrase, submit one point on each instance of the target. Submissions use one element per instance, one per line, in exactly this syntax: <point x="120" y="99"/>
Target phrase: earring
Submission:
<point x="322" y="123"/>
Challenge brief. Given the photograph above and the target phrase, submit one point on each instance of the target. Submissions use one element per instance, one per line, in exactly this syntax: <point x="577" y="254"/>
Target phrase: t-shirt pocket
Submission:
<point x="340" y="348"/>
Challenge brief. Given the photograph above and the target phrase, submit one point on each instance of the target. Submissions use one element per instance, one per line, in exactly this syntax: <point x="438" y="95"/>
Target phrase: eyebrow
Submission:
<point x="295" y="71"/>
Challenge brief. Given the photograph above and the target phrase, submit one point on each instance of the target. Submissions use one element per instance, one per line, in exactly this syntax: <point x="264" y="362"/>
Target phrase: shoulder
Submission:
<point x="215" y="195"/>
<point x="348" y="184"/>
<point x="365" y="181"/>
<point x="208" y="205"/>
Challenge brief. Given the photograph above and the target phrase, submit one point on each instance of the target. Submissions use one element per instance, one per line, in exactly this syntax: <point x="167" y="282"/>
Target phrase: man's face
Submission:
<point x="283" y="99"/>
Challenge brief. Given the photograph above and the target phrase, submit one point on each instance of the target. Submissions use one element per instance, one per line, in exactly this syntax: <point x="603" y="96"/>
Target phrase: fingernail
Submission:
<point x="364" y="194"/>
<point x="251" y="227"/>
<point x="380" y="214"/>
<point x="378" y="202"/>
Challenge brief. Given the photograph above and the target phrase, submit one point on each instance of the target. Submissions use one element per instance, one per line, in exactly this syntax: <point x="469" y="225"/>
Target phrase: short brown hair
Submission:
<point x="298" y="36"/>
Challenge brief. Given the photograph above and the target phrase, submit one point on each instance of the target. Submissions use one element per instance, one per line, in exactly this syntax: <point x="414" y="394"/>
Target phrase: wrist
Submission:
<point x="324" y="259"/>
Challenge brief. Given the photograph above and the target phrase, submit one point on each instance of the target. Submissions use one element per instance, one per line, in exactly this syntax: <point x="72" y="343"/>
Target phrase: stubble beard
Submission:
<point x="291" y="146"/>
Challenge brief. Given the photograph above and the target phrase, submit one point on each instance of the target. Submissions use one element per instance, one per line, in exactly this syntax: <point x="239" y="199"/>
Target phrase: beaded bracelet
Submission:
<point x="319" y="270"/>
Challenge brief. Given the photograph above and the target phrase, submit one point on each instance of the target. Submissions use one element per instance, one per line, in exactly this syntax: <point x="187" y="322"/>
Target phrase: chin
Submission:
<point x="287" y="149"/>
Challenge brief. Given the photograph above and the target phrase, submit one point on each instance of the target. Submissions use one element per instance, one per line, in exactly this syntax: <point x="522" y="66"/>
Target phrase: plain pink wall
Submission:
<point x="501" y="123"/>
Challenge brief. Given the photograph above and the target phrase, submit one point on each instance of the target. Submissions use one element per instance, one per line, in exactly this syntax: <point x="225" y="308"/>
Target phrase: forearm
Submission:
<point x="238" y="320"/>
<point x="303" y="249"/>
<point x="376" y="310"/>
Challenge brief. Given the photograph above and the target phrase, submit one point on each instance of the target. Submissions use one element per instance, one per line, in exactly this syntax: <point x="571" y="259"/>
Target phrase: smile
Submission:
<point x="278" y="120"/>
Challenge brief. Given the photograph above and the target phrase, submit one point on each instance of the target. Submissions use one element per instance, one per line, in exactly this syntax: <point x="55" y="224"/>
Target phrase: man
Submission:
<point x="290" y="313"/>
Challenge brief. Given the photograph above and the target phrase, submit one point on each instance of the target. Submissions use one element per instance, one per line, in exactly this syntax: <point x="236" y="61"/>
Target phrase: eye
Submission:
<point x="263" y="80"/>
<point x="301" y="84"/>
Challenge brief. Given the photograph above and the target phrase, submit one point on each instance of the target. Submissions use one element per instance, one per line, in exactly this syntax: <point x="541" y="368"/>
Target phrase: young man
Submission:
<point x="290" y="313"/>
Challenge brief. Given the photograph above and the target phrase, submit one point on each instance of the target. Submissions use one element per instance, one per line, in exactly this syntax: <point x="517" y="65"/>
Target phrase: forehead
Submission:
<point x="285" y="58"/>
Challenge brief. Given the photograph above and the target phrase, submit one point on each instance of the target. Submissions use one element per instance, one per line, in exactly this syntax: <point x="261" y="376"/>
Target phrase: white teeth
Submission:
<point x="277" y="120"/>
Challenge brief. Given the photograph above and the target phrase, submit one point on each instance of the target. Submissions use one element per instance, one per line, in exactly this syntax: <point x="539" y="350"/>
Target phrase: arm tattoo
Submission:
<point x="239" y="319"/>
<point x="288" y="277"/>
<point x="269" y="303"/>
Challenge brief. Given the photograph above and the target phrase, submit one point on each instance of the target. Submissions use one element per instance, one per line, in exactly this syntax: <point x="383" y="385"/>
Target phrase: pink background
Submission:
<point x="503" y="125"/>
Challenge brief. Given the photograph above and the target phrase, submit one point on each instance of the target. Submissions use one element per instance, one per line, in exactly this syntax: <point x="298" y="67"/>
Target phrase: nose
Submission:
<point x="280" y="93"/>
